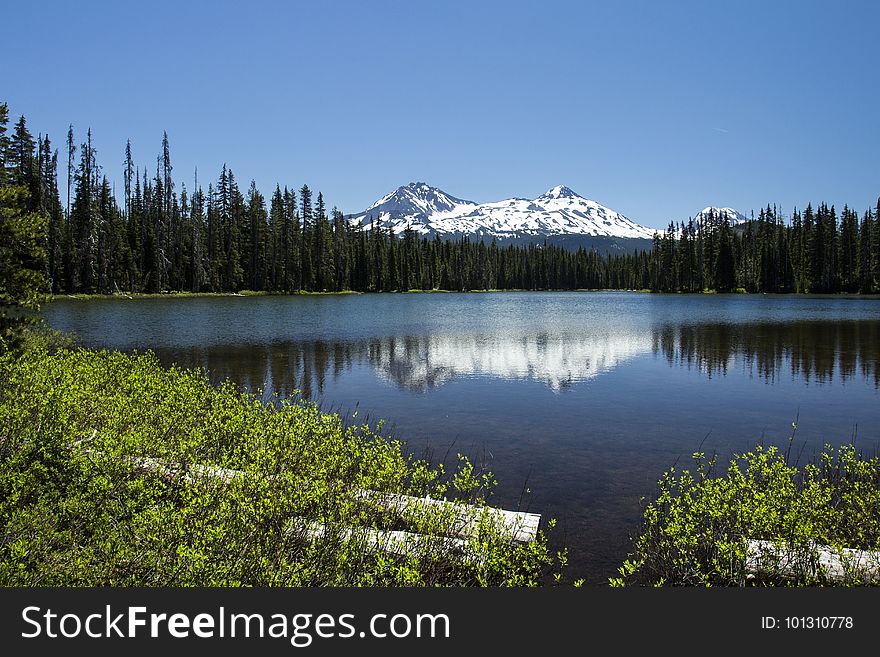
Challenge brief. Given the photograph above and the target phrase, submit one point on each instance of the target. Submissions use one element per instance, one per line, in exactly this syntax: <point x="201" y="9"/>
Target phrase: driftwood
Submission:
<point x="405" y="544"/>
<point x="463" y="520"/>
<point x="812" y="560"/>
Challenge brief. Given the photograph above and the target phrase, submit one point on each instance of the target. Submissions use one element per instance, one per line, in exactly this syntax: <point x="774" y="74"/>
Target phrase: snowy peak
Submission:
<point x="734" y="217"/>
<point x="557" y="212"/>
<point x="419" y="197"/>
<point x="411" y="205"/>
<point x="558" y="192"/>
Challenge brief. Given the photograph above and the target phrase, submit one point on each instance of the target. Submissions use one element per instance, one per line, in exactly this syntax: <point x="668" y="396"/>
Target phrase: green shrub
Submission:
<point x="695" y="531"/>
<point x="77" y="507"/>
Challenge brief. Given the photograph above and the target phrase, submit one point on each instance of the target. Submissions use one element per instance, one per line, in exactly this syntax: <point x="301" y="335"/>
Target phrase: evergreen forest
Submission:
<point x="156" y="235"/>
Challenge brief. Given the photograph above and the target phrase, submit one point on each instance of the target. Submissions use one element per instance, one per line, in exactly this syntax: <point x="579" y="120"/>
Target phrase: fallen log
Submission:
<point x="464" y="520"/>
<point x="812" y="561"/>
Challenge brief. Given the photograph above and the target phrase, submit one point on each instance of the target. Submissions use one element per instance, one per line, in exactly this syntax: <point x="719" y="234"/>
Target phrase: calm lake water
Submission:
<point x="576" y="401"/>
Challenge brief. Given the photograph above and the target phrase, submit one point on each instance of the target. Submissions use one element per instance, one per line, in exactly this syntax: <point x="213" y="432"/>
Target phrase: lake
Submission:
<point x="577" y="401"/>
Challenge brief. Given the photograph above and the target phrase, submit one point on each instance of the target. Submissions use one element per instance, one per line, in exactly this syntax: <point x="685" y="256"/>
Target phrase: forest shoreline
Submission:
<point x="303" y="293"/>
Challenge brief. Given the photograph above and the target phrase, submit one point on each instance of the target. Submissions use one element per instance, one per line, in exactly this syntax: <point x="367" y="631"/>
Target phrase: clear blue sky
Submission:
<point x="654" y="109"/>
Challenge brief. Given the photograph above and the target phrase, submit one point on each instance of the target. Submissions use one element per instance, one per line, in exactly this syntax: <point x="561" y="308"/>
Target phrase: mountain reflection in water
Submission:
<point x="816" y="352"/>
<point x="577" y="402"/>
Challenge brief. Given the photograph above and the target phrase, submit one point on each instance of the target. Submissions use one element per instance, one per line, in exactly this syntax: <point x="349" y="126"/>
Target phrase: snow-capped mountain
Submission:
<point x="412" y="205"/>
<point x="557" y="212"/>
<point x="734" y="217"/>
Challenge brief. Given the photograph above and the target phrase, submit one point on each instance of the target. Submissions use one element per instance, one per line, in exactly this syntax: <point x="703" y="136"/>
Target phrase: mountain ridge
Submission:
<point x="558" y="211"/>
<point x="559" y="215"/>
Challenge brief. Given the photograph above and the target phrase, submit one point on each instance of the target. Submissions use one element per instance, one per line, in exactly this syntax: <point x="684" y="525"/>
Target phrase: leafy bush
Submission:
<point x="695" y="531"/>
<point x="78" y="507"/>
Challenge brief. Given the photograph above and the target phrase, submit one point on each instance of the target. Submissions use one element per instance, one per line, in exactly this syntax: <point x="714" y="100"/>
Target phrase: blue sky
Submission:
<point x="653" y="109"/>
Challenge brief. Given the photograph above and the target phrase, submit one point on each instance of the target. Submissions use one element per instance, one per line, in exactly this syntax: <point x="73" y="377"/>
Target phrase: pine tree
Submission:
<point x="322" y="247"/>
<point x="23" y="234"/>
<point x="847" y="254"/>
<point x="215" y="237"/>
<point x="230" y="209"/>
<point x="307" y="277"/>
<point x="127" y="173"/>
<point x="276" y="261"/>
<point x="812" y="251"/>
<point x="392" y="281"/>
<point x="71" y="153"/>
<point x="341" y="254"/>
<point x="290" y="243"/>
<point x="50" y="207"/>
<point x="864" y="268"/>
<point x="84" y="224"/>
<point x="724" y="276"/>
<point x="24" y="171"/>
<point x="135" y="235"/>
<point x="198" y="241"/>
<point x="5" y="165"/>
<point x="256" y="246"/>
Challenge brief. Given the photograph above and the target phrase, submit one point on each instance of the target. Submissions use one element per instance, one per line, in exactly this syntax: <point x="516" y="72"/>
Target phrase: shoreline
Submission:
<point x="191" y="295"/>
<point x="250" y="293"/>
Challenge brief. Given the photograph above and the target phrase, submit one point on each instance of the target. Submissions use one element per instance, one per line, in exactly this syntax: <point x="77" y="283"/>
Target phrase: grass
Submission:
<point x="75" y="509"/>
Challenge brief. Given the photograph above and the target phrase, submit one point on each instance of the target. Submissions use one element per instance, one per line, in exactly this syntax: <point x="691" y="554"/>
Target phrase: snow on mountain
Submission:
<point x="733" y="216"/>
<point x="558" y="211"/>
<point x="412" y="205"/>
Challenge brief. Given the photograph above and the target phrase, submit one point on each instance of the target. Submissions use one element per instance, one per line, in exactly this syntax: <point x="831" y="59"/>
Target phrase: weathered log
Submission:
<point x="812" y="561"/>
